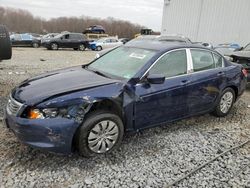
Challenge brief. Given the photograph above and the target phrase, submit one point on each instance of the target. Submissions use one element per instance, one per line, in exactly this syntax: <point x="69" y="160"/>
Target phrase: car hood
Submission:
<point x="244" y="54"/>
<point x="40" y="88"/>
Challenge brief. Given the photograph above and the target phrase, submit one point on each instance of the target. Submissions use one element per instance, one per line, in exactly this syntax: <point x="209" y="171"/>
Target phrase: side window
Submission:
<point x="171" y="64"/>
<point x="26" y="37"/>
<point x="218" y="60"/>
<point x="17" y="37"/>
<point x="114" y="40"/>
<point x="72" y="36"/>
<point x="202" y="60"/>
<point x="108" y="40"/>
<point x="66" y="36"/>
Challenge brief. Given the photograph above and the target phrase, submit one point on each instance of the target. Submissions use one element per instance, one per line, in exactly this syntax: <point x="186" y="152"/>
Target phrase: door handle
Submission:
<point x="221" y="74"/>
<point x="184" y="82"/>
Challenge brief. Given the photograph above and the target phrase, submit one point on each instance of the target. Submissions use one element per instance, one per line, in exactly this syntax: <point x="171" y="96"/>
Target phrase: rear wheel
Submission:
<point x="225" y="103"/>
<point x="5" y="44"/>
<point x="54" y="46"/>
<point x="100" y="133"/>
<point x="35" y="45"/>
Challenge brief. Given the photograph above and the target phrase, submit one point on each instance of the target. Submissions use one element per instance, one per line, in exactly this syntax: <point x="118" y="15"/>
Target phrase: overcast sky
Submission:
<point x="144" y="12"/>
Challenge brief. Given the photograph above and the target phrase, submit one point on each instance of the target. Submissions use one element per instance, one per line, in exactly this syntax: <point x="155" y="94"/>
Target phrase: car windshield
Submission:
<point x="59" y="36"/>
<point x="247" y="48"/>
<point x="123" y="62"/>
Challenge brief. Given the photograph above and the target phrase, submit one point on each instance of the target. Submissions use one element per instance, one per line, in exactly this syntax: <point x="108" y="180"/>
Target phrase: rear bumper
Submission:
<point x="53" y="135"/>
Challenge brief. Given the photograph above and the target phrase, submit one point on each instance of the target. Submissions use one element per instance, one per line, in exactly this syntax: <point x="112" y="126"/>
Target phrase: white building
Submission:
<point x="215" y="21"/>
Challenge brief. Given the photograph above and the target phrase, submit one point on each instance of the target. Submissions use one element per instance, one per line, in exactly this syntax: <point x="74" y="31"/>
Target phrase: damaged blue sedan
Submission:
<point x="139" y="85"/>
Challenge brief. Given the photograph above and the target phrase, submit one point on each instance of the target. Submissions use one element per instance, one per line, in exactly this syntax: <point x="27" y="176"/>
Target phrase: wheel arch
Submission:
<point x="106" y="105"/>
<point x="236" y="90"/>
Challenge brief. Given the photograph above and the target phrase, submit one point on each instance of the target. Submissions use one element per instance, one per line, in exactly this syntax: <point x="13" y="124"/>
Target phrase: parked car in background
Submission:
<point x="76" y="41"/>
<point x="25" y="40"/>
<point x="124" y="40"/>
<point x="93" y="37"/>
<point x="178" y="39"/>
<point x="174" y="38"/>
<point x="242" y="56"/>
<point x="133" y="87"/>
<point x="98" y="29"/>
<point x="48" y="36"/>
<point x="205" y="44"/>
<point x="35" y="35"/>
<point x="227" y="49"/>
<point x="105" y="43"/>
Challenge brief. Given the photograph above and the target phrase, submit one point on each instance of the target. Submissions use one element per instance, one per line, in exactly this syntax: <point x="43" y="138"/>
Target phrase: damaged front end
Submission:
<point x="53" y="123"/>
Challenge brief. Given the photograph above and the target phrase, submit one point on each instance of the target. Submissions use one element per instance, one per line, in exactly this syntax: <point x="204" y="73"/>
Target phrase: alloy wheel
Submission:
<point x="54" y="46"/>
<point x="81" y="47"/>
<point x="103" y="136"/>
<point x="35" y="45"/>
<point x="226" y="102"/>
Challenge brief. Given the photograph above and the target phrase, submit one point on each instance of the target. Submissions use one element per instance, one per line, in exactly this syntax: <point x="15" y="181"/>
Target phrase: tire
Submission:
<point x="35" y="45"/>
<point x="54" y="46"/>
<point x="82" y="47"/>
<point x="225" y="103"/>
<point x="5" y="44"/>
<point x="87" y="139"/>
<point x="75" y="49"/>
<point x="98" y="48"/>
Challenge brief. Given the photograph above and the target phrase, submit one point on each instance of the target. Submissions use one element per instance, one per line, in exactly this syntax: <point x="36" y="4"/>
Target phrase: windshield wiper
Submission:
<point x="97" y="72"/>
<point x="100" y="73"/>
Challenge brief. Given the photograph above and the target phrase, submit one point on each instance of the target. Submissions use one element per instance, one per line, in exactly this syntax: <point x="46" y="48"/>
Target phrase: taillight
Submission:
<point x="244" y="71"/>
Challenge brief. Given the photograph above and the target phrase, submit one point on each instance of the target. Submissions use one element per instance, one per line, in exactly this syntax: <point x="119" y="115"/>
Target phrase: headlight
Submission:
<point x="35" y="114"/>
<point x="43" y="114"/>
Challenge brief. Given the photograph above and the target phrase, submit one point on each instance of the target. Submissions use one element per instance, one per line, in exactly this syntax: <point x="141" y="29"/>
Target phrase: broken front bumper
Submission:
<point x="54" y="135"/>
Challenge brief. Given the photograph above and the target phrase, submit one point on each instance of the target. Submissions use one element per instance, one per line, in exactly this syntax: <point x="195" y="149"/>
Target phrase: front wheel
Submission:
<point x="225" y="103"/>
<point x="100" y="133"/>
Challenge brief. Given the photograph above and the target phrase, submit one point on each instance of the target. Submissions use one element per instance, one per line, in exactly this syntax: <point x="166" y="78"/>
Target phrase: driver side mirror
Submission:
<point x="156" y="78"/>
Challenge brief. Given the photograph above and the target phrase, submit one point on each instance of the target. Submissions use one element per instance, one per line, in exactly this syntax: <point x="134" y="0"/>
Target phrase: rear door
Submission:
<point x="26" y="40"/>
<point x="74" y="40"/>
<point x="207" y="80"/>
<point x="167" y="101"/>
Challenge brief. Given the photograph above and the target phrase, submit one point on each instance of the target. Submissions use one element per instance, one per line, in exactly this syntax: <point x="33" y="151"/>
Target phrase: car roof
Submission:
<point x="161" y="45"/>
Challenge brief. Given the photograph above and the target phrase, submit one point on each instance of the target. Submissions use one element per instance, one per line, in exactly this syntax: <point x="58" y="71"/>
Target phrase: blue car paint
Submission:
<point x="92" y="45"/>
<point x="54" y="135"/>
<point x="142" y="105"/>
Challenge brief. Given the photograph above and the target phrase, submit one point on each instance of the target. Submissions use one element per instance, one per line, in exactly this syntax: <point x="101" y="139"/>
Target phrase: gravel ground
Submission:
<point x="152" y="158"/>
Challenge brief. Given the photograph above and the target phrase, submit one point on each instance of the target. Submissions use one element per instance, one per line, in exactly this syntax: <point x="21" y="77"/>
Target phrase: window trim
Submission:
<point x="223" y="62"/>
<point x="189" y="65"/>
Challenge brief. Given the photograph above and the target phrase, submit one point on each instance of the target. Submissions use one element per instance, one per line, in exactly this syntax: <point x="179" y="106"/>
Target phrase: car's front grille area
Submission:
<point x="13" y="106"/>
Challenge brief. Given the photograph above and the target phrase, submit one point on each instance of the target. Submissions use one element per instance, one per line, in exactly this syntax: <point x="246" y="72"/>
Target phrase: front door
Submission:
<point x="160" y="103"/>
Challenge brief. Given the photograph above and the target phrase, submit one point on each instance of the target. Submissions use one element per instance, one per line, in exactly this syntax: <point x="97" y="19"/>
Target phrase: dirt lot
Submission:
<point x="152" y="158"/>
